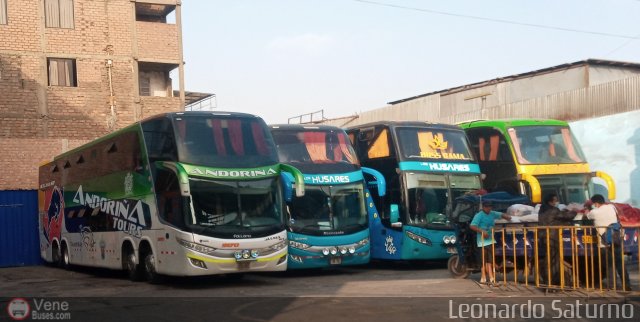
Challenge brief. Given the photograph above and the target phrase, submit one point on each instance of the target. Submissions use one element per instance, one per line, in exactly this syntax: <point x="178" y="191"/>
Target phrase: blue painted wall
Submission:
<point x="19" y="244"/>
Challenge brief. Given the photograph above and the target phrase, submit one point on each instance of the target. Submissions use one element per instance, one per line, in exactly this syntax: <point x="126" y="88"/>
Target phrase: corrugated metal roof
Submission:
<point x="600" y="62"/>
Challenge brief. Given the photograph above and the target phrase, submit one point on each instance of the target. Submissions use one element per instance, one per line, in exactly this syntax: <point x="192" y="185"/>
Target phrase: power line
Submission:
<point x="444" y="13"/>
<point x="623" y="45"/>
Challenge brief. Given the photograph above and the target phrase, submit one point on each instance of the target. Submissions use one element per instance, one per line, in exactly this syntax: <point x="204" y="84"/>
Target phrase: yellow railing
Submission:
<point x="564" y="257"/>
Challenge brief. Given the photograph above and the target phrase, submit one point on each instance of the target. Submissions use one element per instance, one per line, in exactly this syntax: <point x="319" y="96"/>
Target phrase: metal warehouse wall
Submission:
<point x="595" y="101"/>
<point x="19" y="244"/>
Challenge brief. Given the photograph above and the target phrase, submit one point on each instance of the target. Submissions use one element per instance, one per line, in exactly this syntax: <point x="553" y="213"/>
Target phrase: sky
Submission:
<point x="282" y="58"/>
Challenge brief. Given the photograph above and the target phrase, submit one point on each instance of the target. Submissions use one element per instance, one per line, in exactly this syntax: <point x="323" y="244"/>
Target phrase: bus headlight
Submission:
<point x="246" y="254"/>
<point x="196" y="247"/>
<point x="254" y="253"/>
<point x="418" y="238"/>
<point x="352" y="250"/>
<point x="362" y="242"/>
<point x="325" y="251"/>
<point x="237" y="255"/>
<point x="298" y="245"/>
<point x="278" y="246"/>
<point x="343" y="250"/>
<point x="449" y="239"/>
<point x="333" y="251"/>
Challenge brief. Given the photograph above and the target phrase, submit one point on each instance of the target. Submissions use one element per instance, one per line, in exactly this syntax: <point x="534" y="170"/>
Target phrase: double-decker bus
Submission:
<point x="533" y="157"/>
<point x="192" y="193"/>
<point x="328" y="226"/>
<point x="426" y="167"/>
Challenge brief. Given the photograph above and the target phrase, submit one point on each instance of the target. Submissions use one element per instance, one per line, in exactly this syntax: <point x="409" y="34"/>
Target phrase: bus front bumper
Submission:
<point x="196" y="264"/>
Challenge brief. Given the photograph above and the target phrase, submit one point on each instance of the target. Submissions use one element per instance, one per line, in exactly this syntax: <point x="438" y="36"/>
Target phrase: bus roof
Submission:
<point x="394" y="124"/>
<point x="506" y="123"/>
<point x="301" y="127"/>
<point x="157" y="116"/>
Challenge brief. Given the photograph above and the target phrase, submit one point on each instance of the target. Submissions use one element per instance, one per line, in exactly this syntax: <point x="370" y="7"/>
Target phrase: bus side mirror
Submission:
<point x="394" y="215"/>
<point x="287" y="185"/>
<point x="379" y="180"/>
<point x="296" y="176"/>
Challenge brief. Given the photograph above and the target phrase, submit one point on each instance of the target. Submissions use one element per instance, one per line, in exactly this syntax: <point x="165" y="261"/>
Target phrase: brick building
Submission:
<point x="74" y="70"/>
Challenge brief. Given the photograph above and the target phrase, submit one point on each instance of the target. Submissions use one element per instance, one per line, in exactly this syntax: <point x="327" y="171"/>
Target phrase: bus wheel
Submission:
<point x="55" y="254"/>
<point x="132" y="268"/>
<point x="150" y="268"/>
<point x="456" y="268"/>
<point x="64" y="259"/>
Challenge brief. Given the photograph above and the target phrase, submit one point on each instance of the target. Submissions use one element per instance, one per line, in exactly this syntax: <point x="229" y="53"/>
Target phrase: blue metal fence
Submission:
<point x="19" y="245"/>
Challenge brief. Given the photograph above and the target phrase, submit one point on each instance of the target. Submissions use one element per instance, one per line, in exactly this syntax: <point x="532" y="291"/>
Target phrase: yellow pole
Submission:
<point x="493" y="254"/>
<point x="504" y="259"/>
<point x="599" y="260"/>
<point x="535" y="250"/>
<point x="548" y="259"/>
<point x="586" y="262"/>
<point x="561" y="253"/>
<point x="526" y="263"/>
<point x="482" y="268"/>
<point x="593" y="271"/>
<point x="515" y="265"/>
<point x="613" y="267"/>
<point x="574" y="250"/>
<point x="624" y="287"/>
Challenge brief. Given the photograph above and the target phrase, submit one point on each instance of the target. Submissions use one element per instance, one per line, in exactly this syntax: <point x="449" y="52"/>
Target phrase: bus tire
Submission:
<point x="457" y="269"/>
<point x="55" y="254"/>
<point x="150" y="268"/>
<point x="64" y="257"/>
<point x="131" y="266"/>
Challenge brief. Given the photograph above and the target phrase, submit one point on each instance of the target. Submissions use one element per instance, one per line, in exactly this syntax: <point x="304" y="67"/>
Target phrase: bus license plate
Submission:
<point x="451" y="250"/>
<point x="587" y="239"/>
<point x="335" y="260"/>
<point x="244" y="265"/>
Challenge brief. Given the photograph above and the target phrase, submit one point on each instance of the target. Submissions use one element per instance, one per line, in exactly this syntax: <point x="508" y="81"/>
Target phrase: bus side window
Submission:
<point x="160" y="141"/>
<point x="489" y="145"/>
<point x="169" y="199"/>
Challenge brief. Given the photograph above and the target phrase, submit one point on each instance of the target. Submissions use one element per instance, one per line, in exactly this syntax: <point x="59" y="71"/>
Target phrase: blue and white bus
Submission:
<point x="426" y="167"/>
<point x="328" y="226"/>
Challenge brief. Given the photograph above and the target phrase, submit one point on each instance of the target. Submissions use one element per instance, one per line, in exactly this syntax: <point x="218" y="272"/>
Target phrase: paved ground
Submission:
<point x="382" y="292"/>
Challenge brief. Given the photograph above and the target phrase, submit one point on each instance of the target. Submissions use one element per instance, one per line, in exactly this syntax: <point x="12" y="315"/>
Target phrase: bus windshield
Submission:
<point x="429" y="195"/>
<point x="329" y="210"/>
<point x="316" y="150"/>
<point x="545" y="145"/>
<point x="242" y="208"/>
<point x="429" y="143"/>
<point x="224" y="142"/>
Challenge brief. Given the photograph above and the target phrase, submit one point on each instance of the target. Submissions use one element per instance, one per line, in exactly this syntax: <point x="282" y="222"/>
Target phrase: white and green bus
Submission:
<point x="182" y="194"/>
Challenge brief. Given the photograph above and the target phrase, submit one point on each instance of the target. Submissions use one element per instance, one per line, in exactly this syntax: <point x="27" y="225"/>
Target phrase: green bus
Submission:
<point x="183" y="194"/>
<point x="533" y="157"/>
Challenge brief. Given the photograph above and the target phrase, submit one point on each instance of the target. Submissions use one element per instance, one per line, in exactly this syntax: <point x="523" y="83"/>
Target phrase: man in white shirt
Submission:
<point x="603" y="215"/>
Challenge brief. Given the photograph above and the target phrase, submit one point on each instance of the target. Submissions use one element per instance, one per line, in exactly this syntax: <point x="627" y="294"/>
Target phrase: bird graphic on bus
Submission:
<point x="52" y="218"/>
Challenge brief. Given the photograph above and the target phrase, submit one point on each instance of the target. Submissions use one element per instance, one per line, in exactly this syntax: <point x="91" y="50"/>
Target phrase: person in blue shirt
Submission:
<point x="482" y="223"/>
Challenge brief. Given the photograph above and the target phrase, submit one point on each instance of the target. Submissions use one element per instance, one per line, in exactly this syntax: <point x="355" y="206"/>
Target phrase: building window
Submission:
<point x="155" y="13"/>
<point x="154" y="80"/>
<point x="58" y="13"/>
<point x="145" y="84"/>
<point x="3" y="12"/>
<point x="62" y="72"/>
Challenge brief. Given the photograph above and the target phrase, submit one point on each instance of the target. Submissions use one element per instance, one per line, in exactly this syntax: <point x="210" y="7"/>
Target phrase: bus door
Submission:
<point x="375" y="150"/>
